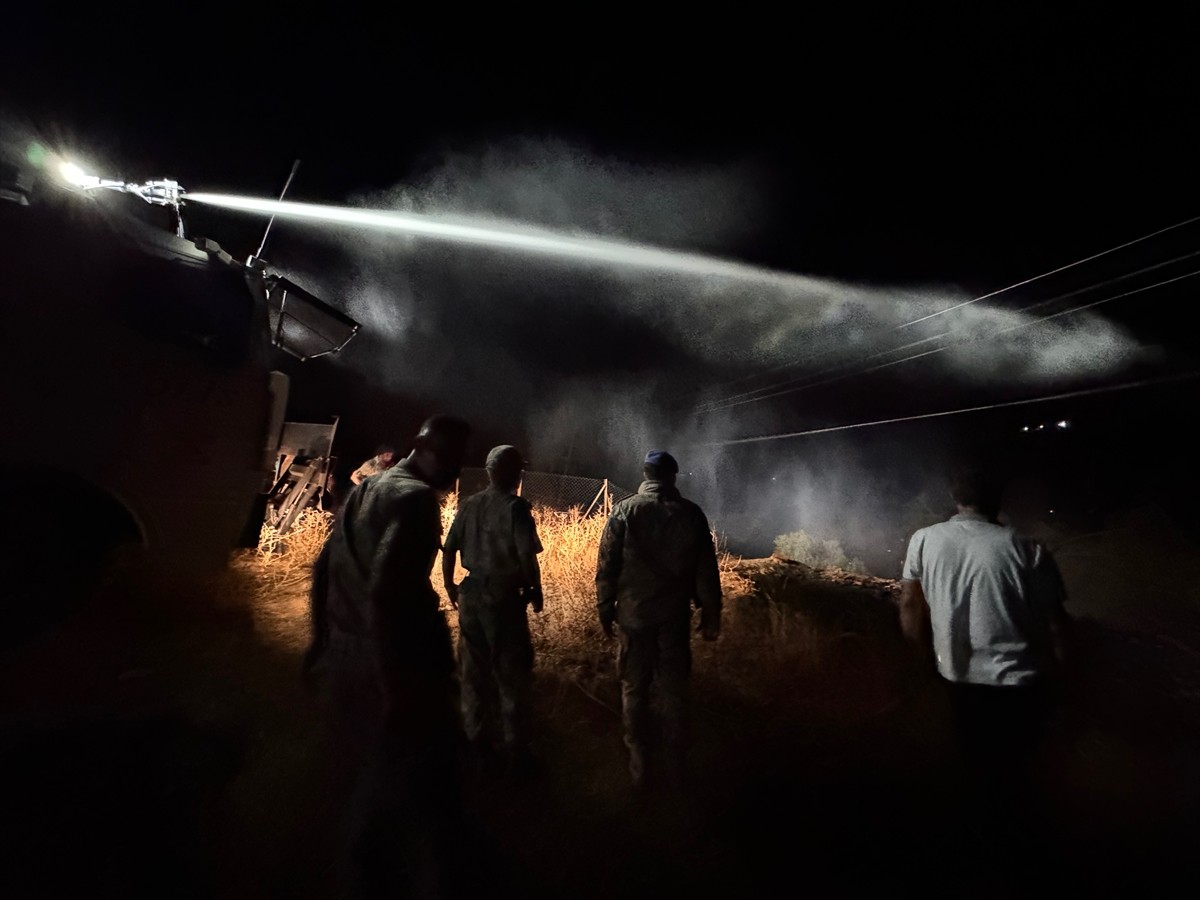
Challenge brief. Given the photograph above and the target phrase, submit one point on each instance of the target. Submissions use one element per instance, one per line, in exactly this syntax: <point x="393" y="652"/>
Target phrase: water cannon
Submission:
<point x="164" y="192"/>
<point x="301" y="324"/>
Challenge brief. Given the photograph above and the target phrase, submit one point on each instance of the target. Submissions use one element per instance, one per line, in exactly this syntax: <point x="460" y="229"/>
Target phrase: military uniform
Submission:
<point x="391" y="667"/>
<point x="495" y="533"/>
<point x="656" y="559"/>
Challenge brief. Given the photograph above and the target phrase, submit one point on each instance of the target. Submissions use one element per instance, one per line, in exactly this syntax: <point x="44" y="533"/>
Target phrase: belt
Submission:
<point x="491" y="581"/>
<point x="496" y="588"/>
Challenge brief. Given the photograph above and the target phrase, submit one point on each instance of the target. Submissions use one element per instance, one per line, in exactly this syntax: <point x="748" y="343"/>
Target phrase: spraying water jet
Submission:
<point x="504" y="235"/>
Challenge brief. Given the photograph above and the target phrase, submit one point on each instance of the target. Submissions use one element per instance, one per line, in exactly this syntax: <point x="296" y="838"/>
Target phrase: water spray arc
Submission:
<point x="787" y="302"/>
<point x="507" y="236"/>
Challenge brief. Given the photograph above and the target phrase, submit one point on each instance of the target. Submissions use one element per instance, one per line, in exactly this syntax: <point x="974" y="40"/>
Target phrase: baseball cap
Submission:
<point x="662" y="460"/>
<point x="505" y="455"/>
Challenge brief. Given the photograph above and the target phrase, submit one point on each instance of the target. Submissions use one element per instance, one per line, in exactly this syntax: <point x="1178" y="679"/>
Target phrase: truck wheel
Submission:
<point x="66" y="531"/>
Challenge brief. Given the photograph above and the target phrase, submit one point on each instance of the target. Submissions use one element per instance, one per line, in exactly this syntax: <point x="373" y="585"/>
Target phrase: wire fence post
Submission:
<point x="587" y="496"/>
<point x="599" y="498"/>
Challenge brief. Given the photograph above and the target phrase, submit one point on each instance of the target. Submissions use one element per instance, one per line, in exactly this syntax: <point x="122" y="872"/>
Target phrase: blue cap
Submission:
<point x="662" y="460"/>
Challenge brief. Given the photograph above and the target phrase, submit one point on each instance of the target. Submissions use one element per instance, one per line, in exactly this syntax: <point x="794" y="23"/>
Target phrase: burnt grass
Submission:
<point x="160" y="745"/>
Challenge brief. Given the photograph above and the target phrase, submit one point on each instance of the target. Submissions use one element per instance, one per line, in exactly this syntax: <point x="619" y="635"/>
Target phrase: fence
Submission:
<point x="590" y="495"/>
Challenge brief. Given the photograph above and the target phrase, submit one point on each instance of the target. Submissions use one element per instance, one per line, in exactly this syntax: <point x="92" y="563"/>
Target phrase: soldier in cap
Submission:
<point x="386" y="647"/>
<point x="656" y="560"/>
<point x="495" y="534"/>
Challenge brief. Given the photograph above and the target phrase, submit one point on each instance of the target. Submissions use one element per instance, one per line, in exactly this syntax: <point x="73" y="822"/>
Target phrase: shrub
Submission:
<point x="819" y="553"/>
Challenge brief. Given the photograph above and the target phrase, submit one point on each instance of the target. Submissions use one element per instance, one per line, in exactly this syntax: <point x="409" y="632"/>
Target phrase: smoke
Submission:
<point x="868" y="497"/>
<point x="868" y="500"/>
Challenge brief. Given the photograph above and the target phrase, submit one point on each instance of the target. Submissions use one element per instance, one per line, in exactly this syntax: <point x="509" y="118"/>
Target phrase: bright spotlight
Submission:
<point x="159" y="193"/>
<point x="72" y="174"/>
<point x="1026" y="428"/>
<point x="1063" y="424"/>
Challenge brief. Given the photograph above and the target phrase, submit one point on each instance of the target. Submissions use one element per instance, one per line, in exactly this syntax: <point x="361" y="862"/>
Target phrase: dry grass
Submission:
<point x="765" y="641"/>
<point x="299" y="547"/>
<point x="273" y="580"/>
<point x="567" y="632"/>
<point x="567" y="629"/>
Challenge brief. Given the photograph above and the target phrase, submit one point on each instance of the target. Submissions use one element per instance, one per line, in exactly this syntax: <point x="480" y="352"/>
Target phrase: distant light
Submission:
<point x="1026" y="428"/>
<point x="1063" y="424"/>
<point x="72" y="174"/>
<point x="1040" y="427"/>
<point x="1051" y="512"/>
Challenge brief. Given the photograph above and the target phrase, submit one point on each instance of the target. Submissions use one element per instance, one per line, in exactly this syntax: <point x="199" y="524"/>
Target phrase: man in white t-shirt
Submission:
<point x="988" y="604"/>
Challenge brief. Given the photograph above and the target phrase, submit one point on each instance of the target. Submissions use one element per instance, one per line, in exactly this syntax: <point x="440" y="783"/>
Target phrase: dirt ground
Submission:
<point x="165" y="746"/>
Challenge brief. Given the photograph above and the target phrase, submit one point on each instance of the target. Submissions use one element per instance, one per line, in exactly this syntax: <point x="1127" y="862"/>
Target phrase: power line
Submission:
<point x="1114" y="280"/>
<point x="749" y="395"/>
<point x="937" y="350"/>
<point x="1053" y="271"/>
<point x="1002" y="290"/>
<point x="714" y="405"/>
<point x="954" y="412"/>
<point x="732" y="402"/>
<point x="1096" y="303"/>
<point x="843" y="377"/>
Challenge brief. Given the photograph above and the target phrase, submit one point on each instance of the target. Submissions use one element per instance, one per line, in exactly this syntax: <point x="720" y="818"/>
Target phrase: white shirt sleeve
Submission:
<point x="912" y="559"/>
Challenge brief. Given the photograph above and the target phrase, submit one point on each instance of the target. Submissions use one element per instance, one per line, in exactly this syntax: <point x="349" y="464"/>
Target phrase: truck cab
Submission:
<point x="140" y="405"/>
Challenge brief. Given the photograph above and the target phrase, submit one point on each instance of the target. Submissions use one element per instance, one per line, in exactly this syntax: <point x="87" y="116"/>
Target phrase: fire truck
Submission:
<point x="142" y="414"/>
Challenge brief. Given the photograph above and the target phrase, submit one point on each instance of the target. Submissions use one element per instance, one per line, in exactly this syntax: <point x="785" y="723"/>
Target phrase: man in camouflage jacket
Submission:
<point x="495" y="534"/>
<point x="656" y="561"/>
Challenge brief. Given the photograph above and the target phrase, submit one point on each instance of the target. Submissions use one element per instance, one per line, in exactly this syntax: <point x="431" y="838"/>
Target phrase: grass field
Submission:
<point x="163" y="745"/>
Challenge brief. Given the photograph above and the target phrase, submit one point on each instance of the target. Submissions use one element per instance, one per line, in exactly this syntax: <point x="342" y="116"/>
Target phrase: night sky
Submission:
<point x="890" y="153"/>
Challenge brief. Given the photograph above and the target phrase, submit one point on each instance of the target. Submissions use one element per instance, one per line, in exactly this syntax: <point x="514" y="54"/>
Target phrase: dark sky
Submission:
<point x="890" y="150"/>
<point x="902" y="145"/>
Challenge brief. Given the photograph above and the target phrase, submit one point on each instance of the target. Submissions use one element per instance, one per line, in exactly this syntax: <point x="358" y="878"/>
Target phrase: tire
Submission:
<point x="67" y="532"/>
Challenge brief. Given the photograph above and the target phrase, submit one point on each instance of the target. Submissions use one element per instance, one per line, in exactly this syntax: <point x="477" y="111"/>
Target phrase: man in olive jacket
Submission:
<point x="496" y="536"/>
<point x="386" y="646"/>
<point x="656" y="561"/>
